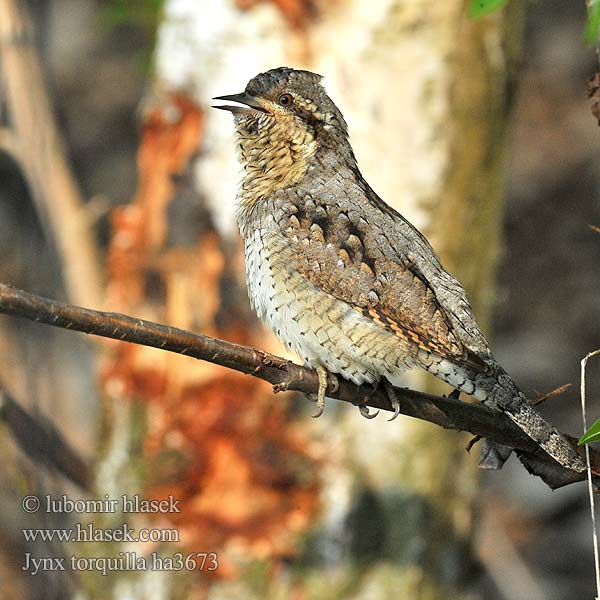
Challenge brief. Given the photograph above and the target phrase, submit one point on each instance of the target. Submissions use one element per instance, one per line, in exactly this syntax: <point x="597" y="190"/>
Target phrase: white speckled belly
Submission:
<point x="320" y="328"/>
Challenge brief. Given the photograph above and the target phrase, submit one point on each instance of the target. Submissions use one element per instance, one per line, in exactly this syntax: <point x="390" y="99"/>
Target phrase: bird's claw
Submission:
<point x="393" y="397"/>
<point x="472" y="442"/>
<point x="364" y="411"/>
<point x="320" y="409"/>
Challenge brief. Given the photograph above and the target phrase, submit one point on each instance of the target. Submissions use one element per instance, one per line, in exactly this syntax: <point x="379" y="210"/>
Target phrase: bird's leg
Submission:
<point x="322" y="375"/>
<point x="393" y="397"/>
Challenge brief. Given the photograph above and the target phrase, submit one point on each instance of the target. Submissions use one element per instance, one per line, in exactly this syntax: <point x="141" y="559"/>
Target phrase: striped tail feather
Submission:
<point x="510" y="400"/>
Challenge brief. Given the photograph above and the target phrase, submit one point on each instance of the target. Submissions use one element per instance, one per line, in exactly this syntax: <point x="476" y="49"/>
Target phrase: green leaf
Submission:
<point x="479" y="8"/>
<point x="592" y="26"/>
<point x="592" y="434"/>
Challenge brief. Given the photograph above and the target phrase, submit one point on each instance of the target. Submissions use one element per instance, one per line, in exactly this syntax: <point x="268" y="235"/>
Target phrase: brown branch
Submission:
<point x="285" y="375"/>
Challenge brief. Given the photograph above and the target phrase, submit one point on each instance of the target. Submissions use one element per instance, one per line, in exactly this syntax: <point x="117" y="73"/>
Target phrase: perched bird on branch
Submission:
<point x="341" y="277"/>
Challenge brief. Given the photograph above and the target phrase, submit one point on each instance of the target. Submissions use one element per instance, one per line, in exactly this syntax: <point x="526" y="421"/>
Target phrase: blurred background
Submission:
<point x="117" y="188"/>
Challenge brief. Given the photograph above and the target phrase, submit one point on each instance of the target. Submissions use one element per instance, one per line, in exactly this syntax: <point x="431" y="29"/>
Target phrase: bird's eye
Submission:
<point x="286" y="100"/>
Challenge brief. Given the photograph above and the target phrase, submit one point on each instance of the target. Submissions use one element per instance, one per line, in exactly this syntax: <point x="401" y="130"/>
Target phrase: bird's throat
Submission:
<point x="274" y="155"/>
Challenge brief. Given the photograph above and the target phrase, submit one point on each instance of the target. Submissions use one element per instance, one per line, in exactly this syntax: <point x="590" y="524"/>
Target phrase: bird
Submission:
<point x="341" y="277"/>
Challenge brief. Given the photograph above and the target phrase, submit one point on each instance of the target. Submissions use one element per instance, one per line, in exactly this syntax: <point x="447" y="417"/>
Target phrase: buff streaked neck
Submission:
<point x="274" y="152"/>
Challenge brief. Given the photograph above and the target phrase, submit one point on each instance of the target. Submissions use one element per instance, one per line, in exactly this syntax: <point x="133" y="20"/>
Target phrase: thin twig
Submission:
<point x="556" y="392"/>
<point x="285" y="375"/>
<point x="589" y="470"/>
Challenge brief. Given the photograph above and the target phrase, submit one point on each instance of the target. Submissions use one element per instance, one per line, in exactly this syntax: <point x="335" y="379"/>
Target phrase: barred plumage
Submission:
<point x="341" y="277"/>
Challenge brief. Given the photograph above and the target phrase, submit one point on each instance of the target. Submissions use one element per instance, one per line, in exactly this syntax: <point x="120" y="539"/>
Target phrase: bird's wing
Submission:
<point x="346" y="256"/>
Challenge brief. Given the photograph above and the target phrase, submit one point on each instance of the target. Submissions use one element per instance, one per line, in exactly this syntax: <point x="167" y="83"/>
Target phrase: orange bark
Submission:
<point x="218" y="443"/>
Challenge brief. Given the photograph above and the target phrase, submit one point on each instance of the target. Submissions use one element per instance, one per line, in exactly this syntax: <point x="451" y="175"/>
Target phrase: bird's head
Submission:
<point x="282" y="119"/>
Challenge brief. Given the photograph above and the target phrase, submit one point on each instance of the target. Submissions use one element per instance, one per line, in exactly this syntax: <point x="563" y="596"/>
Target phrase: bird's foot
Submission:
<point x="320" y="400"/>
<point x="362" y="407"/>
<point x="393" y="397"/>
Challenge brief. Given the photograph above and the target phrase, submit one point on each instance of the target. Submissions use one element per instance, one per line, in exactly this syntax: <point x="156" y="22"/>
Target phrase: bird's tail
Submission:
<point x="496" y="389"/>
<point x="507" y="397"/>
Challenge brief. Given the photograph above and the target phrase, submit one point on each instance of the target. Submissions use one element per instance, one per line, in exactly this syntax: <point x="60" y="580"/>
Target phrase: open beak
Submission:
<point x="251" y="105"/>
